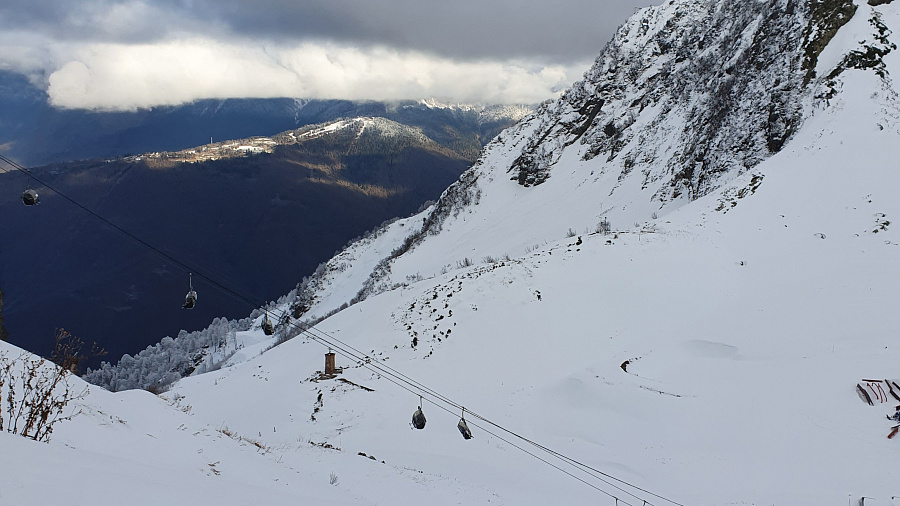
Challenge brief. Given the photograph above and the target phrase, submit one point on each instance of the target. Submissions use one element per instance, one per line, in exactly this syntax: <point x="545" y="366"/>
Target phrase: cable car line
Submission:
<point x="163" y="254"/>
<point x="372" y="363"/>
<point x="551" y="464"/>
<point x="364" y="362"/>
<point x="29" y="196"/>
<point x="416" y="388"/>
<point x="331" y="340"/>
<point x="405" y="378"/>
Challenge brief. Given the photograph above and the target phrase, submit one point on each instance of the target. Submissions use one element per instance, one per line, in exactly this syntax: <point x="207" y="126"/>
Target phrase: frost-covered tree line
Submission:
<point x="159" y="365"/>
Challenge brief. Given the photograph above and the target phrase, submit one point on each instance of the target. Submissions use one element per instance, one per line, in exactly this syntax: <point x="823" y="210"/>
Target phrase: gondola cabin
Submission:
<point x="30" y="197"/>
<point x="418" y="419"/>
<point x="190" y="299"/>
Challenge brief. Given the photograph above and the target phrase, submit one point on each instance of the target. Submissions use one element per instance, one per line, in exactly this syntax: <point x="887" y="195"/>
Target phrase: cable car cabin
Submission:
<point x="418" y="419"/>
<point x="190" y="299"/>
<point x="30" y="197"/>
<point x="464" y="429"/>
<point x="267" y="327"/>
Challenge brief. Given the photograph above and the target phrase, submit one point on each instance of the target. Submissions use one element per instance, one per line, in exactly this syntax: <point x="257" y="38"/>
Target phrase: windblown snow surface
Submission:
<point x="708" y="356"/>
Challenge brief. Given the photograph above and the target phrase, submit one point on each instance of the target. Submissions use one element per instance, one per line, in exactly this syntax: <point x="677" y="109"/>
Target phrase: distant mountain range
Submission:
<point x="258" y="213"/>
<point x="35" y="133"/>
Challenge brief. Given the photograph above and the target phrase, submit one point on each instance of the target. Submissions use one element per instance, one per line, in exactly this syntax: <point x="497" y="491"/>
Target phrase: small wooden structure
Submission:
<point x="329" y="363"/>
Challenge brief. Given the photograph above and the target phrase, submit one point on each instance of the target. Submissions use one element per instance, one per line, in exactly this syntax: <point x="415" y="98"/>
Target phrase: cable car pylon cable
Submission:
<point x="416" y="387"/>
<point x="373" y="364"/>
<point x="191" y="269"/>
<point x="385" y="369"/>
<point x="385" y="372"/>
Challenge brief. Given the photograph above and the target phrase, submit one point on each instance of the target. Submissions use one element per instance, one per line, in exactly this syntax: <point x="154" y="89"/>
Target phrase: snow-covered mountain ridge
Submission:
<point x="652" y="127"/>
<point x="485" y="113"/>
<point x="381" y="128"/>
<point x="687" y="96"/>
<point x="706" y="354"/>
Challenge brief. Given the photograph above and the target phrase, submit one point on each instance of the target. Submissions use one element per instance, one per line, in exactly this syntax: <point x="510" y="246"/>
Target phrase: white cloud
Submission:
<point x="24" y="52"/>
<point x="128" y="76"/>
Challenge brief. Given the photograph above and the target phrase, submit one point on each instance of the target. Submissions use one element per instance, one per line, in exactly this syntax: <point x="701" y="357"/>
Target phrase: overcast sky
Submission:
<point x="123" y="54"/>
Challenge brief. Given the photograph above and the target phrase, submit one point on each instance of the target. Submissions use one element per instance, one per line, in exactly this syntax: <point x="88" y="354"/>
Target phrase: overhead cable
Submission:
<point x="378" y="367"/>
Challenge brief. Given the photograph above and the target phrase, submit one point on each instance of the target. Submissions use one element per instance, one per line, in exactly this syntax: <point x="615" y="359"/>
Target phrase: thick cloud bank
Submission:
<point x="123" y="54"/>
<point x="108" y="76"/>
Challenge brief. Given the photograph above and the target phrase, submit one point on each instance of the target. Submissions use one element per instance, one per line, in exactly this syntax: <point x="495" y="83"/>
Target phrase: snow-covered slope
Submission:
<point x="688" y="98"/>
<point x="707" y="354"/>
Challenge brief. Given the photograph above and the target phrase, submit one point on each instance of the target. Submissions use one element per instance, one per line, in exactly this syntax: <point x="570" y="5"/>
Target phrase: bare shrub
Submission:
<point x="67" y="351"/>
<point x="259" y="445"/>
<point x="34" y="393"/>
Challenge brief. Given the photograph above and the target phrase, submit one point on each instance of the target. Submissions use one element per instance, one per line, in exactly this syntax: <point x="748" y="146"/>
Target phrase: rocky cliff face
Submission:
<point x="688" y="98"/>
<point x="688" y="95"/>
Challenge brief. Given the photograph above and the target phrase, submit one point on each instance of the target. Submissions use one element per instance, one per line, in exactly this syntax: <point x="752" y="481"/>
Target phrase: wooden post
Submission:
<point x="329" y="363"/>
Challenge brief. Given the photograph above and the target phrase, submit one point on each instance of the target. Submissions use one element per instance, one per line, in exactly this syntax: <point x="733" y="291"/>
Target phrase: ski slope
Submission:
<point x="707" y="356"/>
